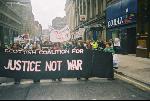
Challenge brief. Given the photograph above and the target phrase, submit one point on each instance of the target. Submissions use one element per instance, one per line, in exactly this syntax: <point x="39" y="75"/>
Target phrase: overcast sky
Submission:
<point x="46" y="10"/>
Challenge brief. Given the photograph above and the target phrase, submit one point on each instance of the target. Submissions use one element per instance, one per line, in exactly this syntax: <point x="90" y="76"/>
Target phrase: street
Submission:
<point x="71" y="89"/>
<point x="74" y="50"/>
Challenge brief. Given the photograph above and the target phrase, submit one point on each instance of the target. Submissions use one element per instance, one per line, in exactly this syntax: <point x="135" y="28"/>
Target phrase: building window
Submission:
<point x="141" y="44"/>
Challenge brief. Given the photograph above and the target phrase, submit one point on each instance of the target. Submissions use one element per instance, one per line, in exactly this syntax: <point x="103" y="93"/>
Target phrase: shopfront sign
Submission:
<point x="115" y="22"/>
<point x="121" y="13"/>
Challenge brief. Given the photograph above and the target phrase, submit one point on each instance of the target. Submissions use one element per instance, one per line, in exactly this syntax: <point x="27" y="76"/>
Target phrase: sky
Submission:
<point x="46" y="10"/>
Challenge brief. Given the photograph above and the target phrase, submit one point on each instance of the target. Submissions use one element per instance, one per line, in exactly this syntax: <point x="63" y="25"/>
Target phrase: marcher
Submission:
<point x="14" y="46"/>
<point x="27" y="45"/>
<point x="1" y="48"/>
<point x="101" y="45"/>
<point x="74" y="44"/>
<point x="35" y="46"/>
<point x="81" y="46"/>
<point x="117" y="45"/>
<point x="95" y="45"/>
<point x="18" y="44"/>
<point x="88" y="44"/>
<point x="109" y="48"/>
<point x="115" y="56"/>
<point x="57" y="46"/>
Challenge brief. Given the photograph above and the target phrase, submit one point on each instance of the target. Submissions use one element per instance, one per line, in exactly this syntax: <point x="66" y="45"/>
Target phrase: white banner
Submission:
<point x="60" y="35"/>
<point x="80" y="33"/>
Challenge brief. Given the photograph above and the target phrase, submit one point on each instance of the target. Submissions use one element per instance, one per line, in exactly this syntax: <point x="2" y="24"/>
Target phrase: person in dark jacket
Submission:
<point x="109" y="48"/>
<point x="1" y="49"/>
<point x="101" y="45"/>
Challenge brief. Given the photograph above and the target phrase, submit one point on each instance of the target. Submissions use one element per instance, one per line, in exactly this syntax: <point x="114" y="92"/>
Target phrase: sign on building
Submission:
<point x="83" y="17"/>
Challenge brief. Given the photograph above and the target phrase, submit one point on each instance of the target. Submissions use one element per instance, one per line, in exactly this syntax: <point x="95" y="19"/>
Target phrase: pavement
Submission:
<point x="71" y="89"/>
<point x="135" y="67"/>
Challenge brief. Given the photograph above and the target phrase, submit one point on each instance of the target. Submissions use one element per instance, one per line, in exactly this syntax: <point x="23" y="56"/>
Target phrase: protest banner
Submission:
<point x="73" y="63"/>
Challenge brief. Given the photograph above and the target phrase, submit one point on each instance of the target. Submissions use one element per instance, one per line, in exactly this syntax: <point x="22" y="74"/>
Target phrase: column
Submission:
<point x="79" y="5"/>
<point x="91" y="9"/>
<point x="86" y="9"/>
<point x="94" y="7"/>
<point x="78" y="16"/>
<point x="104" y="4"/>
<point x="77" y="12"/>
<point x="74" y="8"/>
<point x="82" y="6"/>
<point x="97" y="4"/>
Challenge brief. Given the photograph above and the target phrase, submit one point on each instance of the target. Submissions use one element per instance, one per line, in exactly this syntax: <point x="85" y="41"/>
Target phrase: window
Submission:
<point x="142" y="44"/>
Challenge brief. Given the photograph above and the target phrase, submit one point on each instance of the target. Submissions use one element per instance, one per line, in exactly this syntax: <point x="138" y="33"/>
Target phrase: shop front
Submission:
<point x="121" y="23"/>
<point x="143" y="46"/>
<point x="143" y="29"/>
<point x="94" y="33"/>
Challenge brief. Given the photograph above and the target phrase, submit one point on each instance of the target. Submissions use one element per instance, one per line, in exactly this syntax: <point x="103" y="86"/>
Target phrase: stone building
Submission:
<point x="59" y="23"/>
<point x="16" y="18"/>
<point x="37" y="29"/>
<point x="10" y="24"/>
<point x="88" y="16"/>
<point x="24" y="9"/>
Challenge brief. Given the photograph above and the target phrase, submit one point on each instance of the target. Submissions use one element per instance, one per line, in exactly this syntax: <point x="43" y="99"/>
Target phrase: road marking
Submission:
<point x="7" y="84"/>
<point x="26" y="82"/>
<point x="93" y="99"/>
<point x="133" y="82"/>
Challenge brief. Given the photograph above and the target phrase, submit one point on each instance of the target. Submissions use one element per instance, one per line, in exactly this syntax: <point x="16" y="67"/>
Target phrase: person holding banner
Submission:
<point x="88" y="44"/>
<point x="115" y="56"/>
<point x="117" y="46"/>
<point x="57" y="46"/>
<point x="80" y="45"/>
<point x="109" y="48"/>
<point x="1" y="47"/>
<point x="15" y="46"/>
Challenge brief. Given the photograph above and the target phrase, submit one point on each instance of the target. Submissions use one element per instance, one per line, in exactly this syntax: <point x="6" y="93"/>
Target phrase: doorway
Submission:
<point x="128" y="40"/>
<point x="131" y="40"/>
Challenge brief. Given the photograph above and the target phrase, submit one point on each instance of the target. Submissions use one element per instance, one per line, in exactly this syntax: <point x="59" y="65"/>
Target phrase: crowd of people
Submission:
<point x="45" y="46"/>
<point x="93" y="45"/>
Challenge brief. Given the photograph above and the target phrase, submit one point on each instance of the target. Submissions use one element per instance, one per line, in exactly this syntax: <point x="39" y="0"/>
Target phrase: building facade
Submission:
<point x="70" y="15"/>
<point x="10" y="24"/>
<point x="58" y="23"/>
<point x="37" y="31"/>
<point x="88" y="21"/>
<point x="24" y="9"/>
<point x="143" y="29"/>
<point x="16" y="18"/>
<point x="121" y="21"/>
<point x="130" y="21"/>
